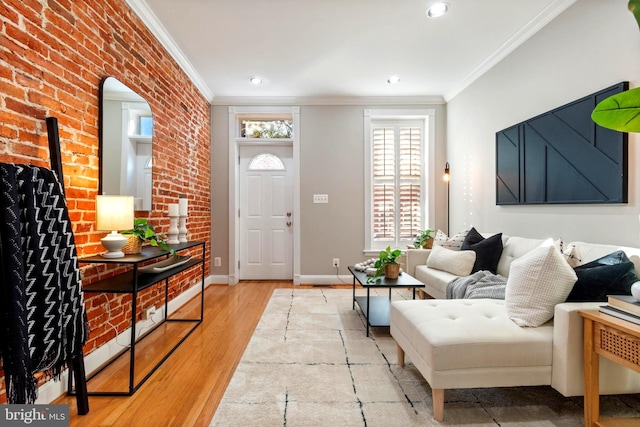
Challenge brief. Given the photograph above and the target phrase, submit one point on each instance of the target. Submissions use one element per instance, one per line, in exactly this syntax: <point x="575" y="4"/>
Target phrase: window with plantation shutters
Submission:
<point x="384" y="205"/>
<point x="397" y="182"/>
<point x="399" y="152"/>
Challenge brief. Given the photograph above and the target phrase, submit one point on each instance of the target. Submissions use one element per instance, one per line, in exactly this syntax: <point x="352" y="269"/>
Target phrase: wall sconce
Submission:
<point x="447" y="177"/>
<point x="114" y="213"/>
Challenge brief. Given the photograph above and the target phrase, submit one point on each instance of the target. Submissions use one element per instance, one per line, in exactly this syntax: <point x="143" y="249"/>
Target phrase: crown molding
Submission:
<point x="152" y="22"/>
<point x="545" y="16"/>
<point x="332" y="100"/>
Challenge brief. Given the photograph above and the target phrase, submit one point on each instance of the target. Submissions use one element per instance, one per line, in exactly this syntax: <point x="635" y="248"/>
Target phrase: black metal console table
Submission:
<point x="132" y="282"/>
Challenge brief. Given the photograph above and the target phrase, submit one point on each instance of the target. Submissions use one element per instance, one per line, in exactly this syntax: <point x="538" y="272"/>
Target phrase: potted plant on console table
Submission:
<point x="142" y="232"/>
<point x="388" y="263"/>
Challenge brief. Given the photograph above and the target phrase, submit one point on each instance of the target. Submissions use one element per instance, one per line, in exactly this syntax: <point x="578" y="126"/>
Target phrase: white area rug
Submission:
<point x="309" y="363"/>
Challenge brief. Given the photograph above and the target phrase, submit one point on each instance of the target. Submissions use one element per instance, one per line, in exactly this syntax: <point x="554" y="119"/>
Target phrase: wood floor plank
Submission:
<point x="187" y="388"/>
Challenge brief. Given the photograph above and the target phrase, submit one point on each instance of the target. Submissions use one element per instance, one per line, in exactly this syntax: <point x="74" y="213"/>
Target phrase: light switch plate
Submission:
<point x="320" y="198"/>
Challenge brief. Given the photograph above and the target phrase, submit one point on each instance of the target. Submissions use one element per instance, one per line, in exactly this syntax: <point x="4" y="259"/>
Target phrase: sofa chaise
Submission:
<point x="471" y="343"/>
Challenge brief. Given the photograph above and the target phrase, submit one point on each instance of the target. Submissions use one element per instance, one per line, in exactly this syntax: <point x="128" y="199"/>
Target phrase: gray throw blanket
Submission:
<point x="481" y="284"/>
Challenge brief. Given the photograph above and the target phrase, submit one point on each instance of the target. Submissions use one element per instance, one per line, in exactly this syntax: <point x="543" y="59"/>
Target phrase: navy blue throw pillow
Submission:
<point x="488" y="251"/>
<point x="613" y="274"/>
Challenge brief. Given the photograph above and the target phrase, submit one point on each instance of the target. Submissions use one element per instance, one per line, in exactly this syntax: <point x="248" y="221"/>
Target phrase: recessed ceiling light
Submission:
<point x="393" y="80"/>
<point x="255" y="80"/>
<point x="437" y="10"/>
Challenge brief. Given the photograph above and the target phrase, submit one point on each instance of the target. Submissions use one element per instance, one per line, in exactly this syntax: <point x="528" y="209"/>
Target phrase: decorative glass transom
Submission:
<point x="266" y="161"/>
<point x="267" y="128"/>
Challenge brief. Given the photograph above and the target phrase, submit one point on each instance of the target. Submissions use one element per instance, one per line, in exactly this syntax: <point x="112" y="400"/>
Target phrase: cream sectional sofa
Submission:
<point x="469" y="343"/>
<point x="435" y="281"/>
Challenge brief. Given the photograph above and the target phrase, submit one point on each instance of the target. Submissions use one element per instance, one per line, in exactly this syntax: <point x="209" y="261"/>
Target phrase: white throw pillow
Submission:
<point x="537" y="282"/>
<point x="459" y="263"/>
<point x="453" y="243"/>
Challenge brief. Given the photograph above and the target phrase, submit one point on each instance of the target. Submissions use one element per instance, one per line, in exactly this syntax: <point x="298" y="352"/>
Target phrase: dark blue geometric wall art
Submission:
<point x="562" y="156"/>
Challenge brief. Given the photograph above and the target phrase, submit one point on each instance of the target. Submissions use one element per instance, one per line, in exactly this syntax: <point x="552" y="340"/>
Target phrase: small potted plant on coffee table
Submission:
<point x="387" y="263"/>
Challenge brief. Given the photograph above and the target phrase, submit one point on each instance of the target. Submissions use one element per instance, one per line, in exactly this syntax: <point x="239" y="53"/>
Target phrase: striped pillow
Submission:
<point x="454" y="243"/>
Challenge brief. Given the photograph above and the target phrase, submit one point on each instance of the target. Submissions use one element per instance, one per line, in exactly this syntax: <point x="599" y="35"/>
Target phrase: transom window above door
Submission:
<point x="266" y="128"/>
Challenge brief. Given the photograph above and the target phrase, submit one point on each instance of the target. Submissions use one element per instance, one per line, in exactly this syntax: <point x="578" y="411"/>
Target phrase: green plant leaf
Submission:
<point x="147" y="233"/>
<point x="634" y="7"/>
<point x="619" y="112"/>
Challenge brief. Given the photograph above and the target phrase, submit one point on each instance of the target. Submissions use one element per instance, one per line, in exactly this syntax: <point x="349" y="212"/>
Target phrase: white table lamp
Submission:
<point x="114" y="213"/>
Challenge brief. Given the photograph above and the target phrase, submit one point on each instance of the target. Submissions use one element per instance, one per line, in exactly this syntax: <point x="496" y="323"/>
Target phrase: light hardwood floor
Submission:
<point x="187" y="388"/>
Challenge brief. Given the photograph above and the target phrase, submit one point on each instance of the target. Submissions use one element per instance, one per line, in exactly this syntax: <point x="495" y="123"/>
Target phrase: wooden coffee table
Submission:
<point x="376" y="309"/>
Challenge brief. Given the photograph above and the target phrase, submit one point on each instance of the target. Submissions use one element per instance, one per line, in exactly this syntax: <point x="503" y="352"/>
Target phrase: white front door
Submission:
<point x="266" y="203"/>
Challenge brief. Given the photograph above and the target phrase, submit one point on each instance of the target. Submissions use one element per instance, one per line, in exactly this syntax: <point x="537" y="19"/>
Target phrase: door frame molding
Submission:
<point x="235" y="112"/>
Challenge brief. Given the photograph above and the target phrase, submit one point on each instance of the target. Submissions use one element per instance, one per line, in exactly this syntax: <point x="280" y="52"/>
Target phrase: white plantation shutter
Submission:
<point x="409" y="211"/>
<point x="396" y="205"/>
<point x="410" y="173"/>
<point x="384" y="201"/>
<point x="383" y="212"/>
<point x="384" y="152"/>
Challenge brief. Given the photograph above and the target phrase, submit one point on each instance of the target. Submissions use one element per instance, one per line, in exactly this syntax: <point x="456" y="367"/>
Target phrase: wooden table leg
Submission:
<point x="591" y="377"/>
<point x="437" y="395"/>
<point x="400" y="356"/>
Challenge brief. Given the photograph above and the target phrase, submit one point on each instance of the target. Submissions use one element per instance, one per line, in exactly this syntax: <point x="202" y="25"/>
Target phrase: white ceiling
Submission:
<point x="335" y="49"/>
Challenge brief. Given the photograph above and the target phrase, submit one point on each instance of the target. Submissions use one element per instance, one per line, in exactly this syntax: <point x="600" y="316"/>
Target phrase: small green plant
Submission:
<point x="386" y="257"/>
<point x="145" y="232"/>
<point x="422" y="237"/>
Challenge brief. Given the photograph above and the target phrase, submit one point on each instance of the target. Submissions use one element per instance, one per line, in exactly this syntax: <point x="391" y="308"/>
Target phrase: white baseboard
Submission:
<point x="231" y="281"/>
<point x="221" y="279"/>
<point x="326" y="279"/>
<point x="51" y="390"/>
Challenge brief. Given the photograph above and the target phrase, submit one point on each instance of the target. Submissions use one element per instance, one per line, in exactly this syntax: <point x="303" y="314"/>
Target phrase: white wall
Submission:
<point x="219" y="190"/>
<point x="331" y="162"/>
<point x="592" y="45"/>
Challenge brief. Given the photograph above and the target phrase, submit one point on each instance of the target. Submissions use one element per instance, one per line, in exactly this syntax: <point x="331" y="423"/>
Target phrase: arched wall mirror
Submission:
<point x="126" y="129"/>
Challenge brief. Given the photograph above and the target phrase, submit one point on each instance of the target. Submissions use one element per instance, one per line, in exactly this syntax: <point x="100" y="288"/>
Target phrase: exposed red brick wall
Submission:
<point x="53" y="55"/>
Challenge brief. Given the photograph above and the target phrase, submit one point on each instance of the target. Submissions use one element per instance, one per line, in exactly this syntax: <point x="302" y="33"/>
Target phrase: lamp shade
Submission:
<point x="114" y="213"/>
